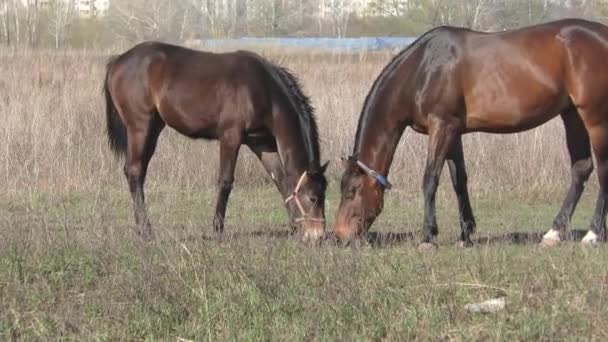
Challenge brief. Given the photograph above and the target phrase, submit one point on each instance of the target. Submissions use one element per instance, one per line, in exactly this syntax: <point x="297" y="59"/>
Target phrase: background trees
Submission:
<point x="59" y="23"/>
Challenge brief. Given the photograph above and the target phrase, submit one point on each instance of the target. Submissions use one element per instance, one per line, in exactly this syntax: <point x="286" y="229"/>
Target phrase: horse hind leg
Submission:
<point x="458" y="174"/>
<point x="579" y="148"/>
<point x="599" y="142"/>
<point x="142" y="141"/>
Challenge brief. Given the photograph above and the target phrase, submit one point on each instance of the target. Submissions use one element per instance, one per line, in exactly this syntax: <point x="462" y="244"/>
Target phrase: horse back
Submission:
<point x="531" y="75"/>
<point x="510" y="81"/>
<point x="197" y="93"/>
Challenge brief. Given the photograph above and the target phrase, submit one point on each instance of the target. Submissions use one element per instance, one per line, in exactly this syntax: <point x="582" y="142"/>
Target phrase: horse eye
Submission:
<point x="351" y="192"/>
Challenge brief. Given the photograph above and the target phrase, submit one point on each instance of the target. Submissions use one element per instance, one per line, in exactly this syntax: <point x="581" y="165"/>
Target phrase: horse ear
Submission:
<point x="305" y="177"/>
<point x="345" y="162"/>
<point x="324" y="167"/>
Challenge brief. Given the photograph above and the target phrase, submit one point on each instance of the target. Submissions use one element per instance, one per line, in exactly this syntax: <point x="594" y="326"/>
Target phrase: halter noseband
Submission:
<point x="375" y="175"/>
<point x="294" y="196"/>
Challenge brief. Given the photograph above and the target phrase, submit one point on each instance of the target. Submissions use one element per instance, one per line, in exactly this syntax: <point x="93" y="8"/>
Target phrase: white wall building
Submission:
<point x="92" y="8"/>
<point x="84" y="8"/>
<point x="325" y="8"/>
<point x="329" y="8"/>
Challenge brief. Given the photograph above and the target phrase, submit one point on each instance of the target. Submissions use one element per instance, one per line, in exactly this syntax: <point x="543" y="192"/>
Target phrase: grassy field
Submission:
<point x="70" y="266"/>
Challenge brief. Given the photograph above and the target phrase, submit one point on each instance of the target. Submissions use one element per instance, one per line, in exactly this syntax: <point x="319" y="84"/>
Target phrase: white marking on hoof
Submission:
<point x="313" y="235"/>
<point x="464" y="244"/>
<point x="591" y="239"/>
<point x="551" y="238"/>
<point x="427" y="247"/>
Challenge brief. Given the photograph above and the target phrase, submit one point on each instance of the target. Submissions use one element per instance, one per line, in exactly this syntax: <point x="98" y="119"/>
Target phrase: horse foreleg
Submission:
<point x="458" y="174"/>
<point x="441" y="137"/>
<point x="230" y="142"/>
<point x="269" y="157"/>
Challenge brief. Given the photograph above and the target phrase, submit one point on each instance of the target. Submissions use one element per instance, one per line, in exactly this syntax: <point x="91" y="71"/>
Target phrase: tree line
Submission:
<point x="58" y="24"/>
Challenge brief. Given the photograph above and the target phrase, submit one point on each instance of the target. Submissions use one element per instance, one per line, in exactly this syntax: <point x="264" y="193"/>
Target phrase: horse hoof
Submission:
<point x="551" y="239"/>
<point x="147" y="236"/>
<point x="313" y="234"/>
<point x="313" y="237"/>
<point x="145" y="232"/>
<point x="464" y="244"/>
<point x="218" y="235"/>
<point x="590" y="240"/>
<point x="427" y="247"/>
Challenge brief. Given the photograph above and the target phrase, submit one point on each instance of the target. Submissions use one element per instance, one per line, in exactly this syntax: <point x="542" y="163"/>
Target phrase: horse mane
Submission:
<point x="306" y="113"/>
<point x="389" y="66"/>
<point x="290" y="84"/>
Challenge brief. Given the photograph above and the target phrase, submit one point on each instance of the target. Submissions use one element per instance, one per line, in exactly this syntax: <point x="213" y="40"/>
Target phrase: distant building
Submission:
<point x="39" y="3"/>
<point x="322" y="8"/>
<point x="92" y="8"/>
<point x="330" y="8"/>
<point x="84" y="8"/>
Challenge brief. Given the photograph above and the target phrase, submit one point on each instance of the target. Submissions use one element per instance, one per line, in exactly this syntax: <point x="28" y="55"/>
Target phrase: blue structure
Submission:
<point x="332" y="44"/>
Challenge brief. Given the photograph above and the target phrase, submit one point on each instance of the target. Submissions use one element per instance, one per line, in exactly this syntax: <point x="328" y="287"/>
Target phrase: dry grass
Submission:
<point x="70" y="268"/>
<point x="53" y="131"/>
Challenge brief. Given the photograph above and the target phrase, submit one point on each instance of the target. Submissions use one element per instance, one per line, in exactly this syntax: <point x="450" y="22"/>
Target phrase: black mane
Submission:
<point x="302" y="108"/>
<point x="306" y="114"/>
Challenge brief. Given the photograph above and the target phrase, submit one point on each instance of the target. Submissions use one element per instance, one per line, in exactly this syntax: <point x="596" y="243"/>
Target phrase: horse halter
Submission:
<point x="294" y="197"/>
<point x="375" y="175"/>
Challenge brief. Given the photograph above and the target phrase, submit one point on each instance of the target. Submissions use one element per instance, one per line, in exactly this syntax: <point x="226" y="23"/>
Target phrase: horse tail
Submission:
<point x="117" y="133"/>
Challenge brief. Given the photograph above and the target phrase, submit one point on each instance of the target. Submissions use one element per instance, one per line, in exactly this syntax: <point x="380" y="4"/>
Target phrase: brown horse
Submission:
<point x="237" y="98"/>
<point x="452" y="81"/>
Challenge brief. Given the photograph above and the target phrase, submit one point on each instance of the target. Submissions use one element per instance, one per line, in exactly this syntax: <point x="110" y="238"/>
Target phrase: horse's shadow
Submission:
<point x="392" y="239"/>
<point x="374" y="239"/>
<point x="386" y="239"/>
<point x="240" y="235"/>
<point x="526" y="238"/>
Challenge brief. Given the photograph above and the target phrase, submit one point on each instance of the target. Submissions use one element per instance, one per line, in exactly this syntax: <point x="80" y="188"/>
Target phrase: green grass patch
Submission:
<point x="71" y="268"/>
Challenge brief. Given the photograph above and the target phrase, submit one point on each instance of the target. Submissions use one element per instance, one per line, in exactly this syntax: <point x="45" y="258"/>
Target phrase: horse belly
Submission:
<point x="191" y="123"/>
<point x="512" y="118"/>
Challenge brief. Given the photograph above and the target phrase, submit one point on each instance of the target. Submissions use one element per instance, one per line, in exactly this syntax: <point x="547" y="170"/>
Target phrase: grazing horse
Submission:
<point x="237" y="98"/>
<point x="452" y="81"/>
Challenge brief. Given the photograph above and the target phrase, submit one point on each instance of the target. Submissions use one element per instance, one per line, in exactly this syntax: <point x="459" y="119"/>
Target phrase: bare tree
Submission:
<point x="60" y="14"/>
<point x="397" y="8"/>
<point x="137" y="20"/>
<point x="55" y="22"/>
<point x="339" y="12"/>
<point x="16" y="22"/>
<point x="241" y="25"/>
<point x="31" y="9"/>
<point x="6" y="22"/>
<point x="473" y="11"/>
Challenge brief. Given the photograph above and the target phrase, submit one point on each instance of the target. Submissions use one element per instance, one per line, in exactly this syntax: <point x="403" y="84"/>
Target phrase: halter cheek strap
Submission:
<point x="374" y="174"/>
<point x="295" y="197"/>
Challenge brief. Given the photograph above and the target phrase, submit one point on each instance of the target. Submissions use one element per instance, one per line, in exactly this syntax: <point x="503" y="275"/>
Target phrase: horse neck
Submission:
<point x="380" y="129"/>
<point x="385" y="112"/>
